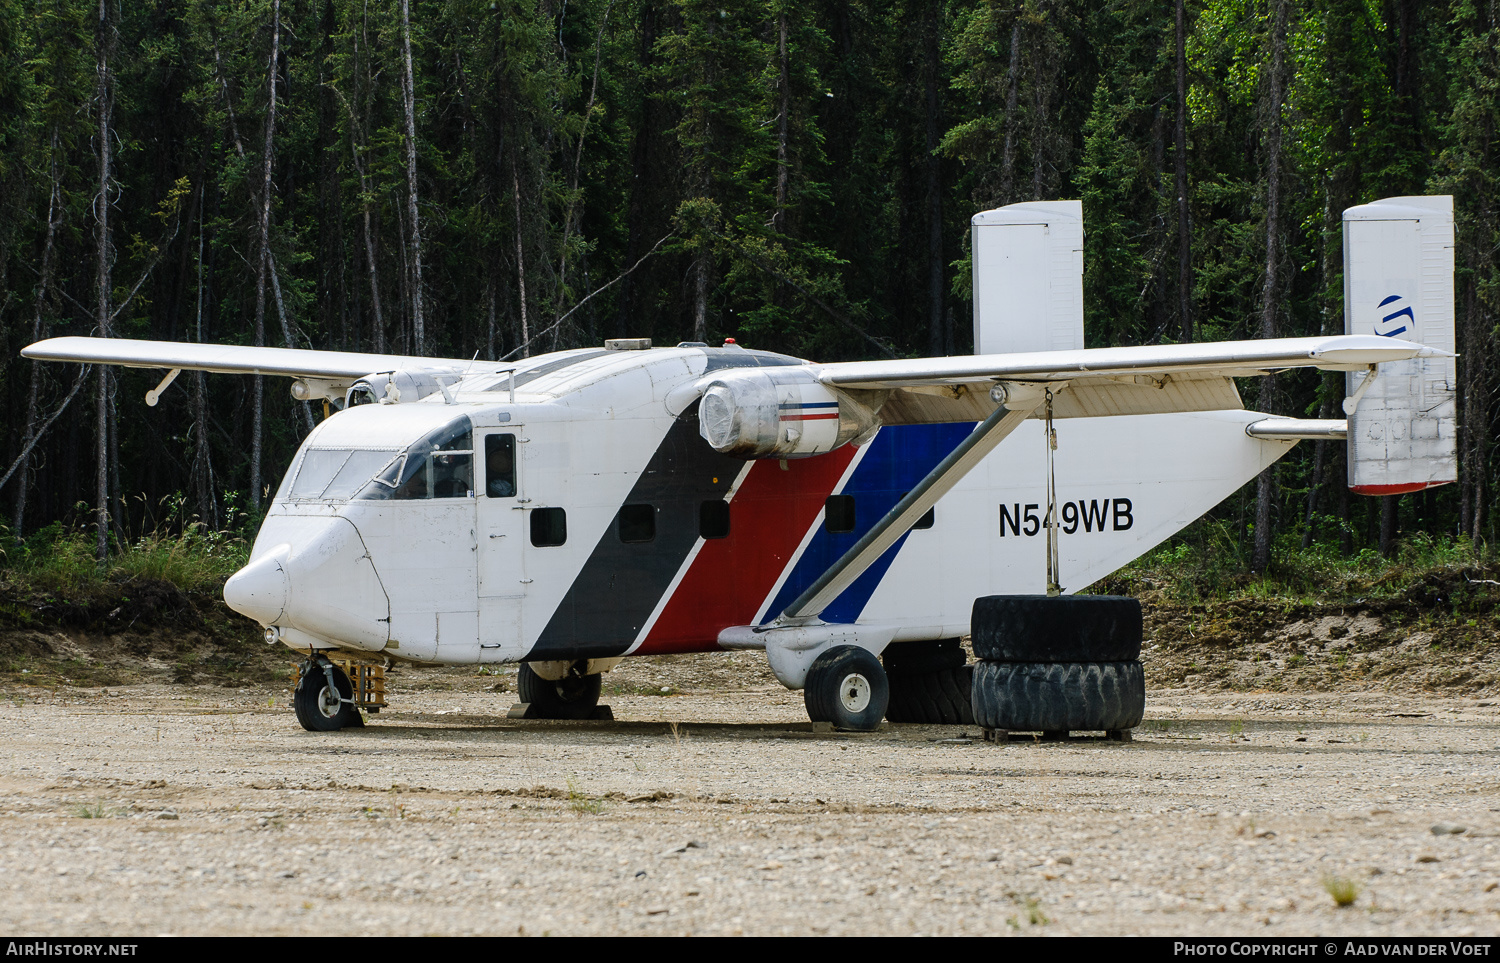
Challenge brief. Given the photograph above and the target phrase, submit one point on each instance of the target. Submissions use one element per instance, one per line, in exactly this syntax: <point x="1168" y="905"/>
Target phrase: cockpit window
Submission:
<point x="335" y="474"/>
<point x="441" y="465"/>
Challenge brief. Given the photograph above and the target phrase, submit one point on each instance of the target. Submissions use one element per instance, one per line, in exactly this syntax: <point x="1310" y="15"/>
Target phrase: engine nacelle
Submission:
<point x="779" y="413"/>
<point x="401" y="386"/>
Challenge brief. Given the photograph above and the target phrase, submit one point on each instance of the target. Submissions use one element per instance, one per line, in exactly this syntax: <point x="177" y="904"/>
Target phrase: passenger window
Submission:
<point x="549" y="527"/>
<point x="713" y="519"/>
<point x="838" y="514"/>
<point x="500" y="466"/>
<point x="636" y="523"/>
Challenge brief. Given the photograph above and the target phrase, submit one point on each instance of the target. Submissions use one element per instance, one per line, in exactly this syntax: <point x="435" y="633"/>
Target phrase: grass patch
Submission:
<point x="581" y="802"/>
<point x="1343" y="890"/>
<point x="95" y="810"/>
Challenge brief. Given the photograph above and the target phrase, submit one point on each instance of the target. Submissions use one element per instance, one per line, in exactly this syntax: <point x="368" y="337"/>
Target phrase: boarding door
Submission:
<point x="501" y="535"/>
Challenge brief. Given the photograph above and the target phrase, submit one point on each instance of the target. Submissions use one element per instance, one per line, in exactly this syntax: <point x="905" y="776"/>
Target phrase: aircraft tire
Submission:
<point x="920" y="658"/>
<point x="932" y="698"/>
<point x="1062" y="628"/>
<point x="847" y="686"/>
<point x="1059" y="696"/>
<point x="571" y="697"/>
<point x="314" y="711"/>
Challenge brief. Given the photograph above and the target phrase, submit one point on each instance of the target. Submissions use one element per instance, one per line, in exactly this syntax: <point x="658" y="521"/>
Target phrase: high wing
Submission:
<point x="1014" y="387"/>
<point x="1093" y="382"/>
<point x="230" y="359"/>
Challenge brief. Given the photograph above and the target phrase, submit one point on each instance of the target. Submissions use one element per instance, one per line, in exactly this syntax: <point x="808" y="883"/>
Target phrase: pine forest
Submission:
<point x="502" y="179"/>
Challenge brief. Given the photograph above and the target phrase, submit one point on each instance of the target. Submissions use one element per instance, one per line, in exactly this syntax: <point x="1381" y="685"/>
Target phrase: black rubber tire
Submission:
<point x="920" y="658"/>
<point x="1062" y="628"/>
<point x="847" y="686"/>
<point x="1058" y="697"/>
<point x="932" y="698"/>
<point x="313" y="712"/>
<point x="571" y="697"/>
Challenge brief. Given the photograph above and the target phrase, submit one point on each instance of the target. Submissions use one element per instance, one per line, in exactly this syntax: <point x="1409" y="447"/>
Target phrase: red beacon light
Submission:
<point x="728" y="342"/>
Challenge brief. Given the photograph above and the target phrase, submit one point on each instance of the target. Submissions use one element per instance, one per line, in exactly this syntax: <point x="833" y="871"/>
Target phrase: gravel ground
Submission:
<point x="156" y="809"/>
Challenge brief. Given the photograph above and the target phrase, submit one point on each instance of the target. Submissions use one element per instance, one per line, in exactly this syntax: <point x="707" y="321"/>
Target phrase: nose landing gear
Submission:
<point x="324" y="697"/>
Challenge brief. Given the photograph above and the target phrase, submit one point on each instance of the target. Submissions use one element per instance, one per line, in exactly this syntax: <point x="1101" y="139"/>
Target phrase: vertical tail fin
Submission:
<point x="1028" y="277"/>
<point x="1398" y="283"/>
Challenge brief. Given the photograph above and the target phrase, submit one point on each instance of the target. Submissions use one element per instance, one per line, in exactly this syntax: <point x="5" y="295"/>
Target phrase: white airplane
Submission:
<point x="574" y="509"/>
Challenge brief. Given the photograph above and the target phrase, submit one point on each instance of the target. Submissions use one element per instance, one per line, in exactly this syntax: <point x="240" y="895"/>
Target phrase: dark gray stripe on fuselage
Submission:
<point x="531" y="374"/>
<point x="619" y="586"/>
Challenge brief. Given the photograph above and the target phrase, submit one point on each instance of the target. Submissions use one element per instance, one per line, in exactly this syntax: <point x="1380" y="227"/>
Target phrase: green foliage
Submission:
<point x="1207" y="562"/>
<point x="179" y="549"/>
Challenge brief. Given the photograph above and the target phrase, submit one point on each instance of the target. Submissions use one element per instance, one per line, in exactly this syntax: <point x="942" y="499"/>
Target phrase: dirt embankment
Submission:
<point x="122" y="632"/>
<point x="1441" y="634"/>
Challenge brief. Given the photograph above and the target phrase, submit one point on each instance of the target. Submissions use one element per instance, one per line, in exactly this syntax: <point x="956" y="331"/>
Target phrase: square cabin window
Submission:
<point x="549" y="527"/>
<point x="713" y="519"/>
<point x="838" y="514"/>
<point x="636" y="523"/>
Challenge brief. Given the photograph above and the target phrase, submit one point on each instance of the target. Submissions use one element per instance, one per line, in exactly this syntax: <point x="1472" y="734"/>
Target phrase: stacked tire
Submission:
<point x="929" y="682"/>
<point x="1058" y="663"/>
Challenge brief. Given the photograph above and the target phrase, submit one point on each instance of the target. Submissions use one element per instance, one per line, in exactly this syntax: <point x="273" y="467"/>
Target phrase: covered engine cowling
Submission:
<point x="779" y="413"/>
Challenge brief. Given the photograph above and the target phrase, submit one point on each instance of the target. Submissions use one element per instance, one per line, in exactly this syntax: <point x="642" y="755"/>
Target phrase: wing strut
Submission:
<point x="1017" y="402"/>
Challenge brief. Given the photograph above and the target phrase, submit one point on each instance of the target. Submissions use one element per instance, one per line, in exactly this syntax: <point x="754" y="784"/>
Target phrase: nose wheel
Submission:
<point x="324" y="698"/>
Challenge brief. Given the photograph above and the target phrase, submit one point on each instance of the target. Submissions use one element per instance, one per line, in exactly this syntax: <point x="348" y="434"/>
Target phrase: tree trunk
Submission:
<point x="264" y="261"/>
<point x="203" y="469"/>
<point x="409" y="92"/>
<point x="1184" y="220"/>
<point x="783" y="125"/>
<point x="105" y="43"/>
<point x="38" y="328"/>
<point x="515" y="178"/>
<point x="1265" y="483"/>
<point x="1012" y="85"/>
<point x="937" y="340"/>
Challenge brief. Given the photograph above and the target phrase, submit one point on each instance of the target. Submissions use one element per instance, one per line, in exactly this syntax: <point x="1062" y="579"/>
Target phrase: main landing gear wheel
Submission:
<point x="571" y="697"/>
<point x="847" y="687"/>
<point x="321" y="708"/>
<point x="933" y="698"/>
<point x="929" y="682"/>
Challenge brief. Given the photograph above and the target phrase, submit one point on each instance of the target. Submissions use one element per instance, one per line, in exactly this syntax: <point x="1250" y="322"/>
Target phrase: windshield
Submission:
<point x="335" y="474"/>
<point x="440" y="465"/>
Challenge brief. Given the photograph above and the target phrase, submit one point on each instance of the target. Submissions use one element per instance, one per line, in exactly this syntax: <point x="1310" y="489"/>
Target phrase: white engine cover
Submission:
<point x="778" y="413"/>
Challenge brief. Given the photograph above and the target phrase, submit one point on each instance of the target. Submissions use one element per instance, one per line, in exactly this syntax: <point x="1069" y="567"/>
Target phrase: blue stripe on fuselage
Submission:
<point x="899" y="456"/>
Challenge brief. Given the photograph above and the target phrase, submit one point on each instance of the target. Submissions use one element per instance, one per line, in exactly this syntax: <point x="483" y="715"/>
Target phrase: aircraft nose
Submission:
<point x="259" y="590"/>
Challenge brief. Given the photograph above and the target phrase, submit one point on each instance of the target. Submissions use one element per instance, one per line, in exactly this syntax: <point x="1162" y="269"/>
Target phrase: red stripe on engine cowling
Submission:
<point x="1403" y="489"/>
<point x="808" y="417"/>
<point x="731" y="576"/>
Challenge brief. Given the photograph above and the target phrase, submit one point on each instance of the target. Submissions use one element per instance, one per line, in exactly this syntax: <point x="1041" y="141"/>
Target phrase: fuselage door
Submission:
<point x="501" y="531"/>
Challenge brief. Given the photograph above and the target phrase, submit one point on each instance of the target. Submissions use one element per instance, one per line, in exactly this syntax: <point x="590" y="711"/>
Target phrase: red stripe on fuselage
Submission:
<point x="731" y="576"/>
